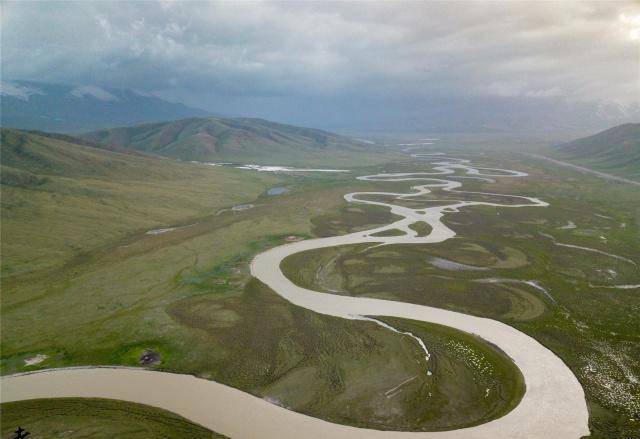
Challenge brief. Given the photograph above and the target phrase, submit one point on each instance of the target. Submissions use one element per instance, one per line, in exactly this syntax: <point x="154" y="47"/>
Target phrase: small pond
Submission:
<point x="277" y="190"/>
<point x="451" y="265"/>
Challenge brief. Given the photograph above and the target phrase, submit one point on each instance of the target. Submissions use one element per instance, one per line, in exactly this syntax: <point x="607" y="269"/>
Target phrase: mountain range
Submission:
<point x="237" y="140"/>
<point x="77" y="108"/>
<point x="549" y="118"/>
<point x="81" y="108"/>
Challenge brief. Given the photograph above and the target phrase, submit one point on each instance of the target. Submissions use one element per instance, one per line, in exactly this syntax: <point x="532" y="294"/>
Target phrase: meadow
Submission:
<point x="85" y="284"/>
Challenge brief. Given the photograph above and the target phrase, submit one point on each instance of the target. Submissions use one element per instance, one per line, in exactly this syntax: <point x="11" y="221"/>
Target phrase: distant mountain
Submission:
<point x="616" y="151"/>
<point x="76" y="108"/>
<point x="234" y="140"/>
<point x="542" y="117"/>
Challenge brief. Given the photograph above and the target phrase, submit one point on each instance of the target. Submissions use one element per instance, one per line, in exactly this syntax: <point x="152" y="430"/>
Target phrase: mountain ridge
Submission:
<point x="615" y="150"/>
<point x="65" y="108"/>
<point x="216" y="139"/>
<point x="29" y="158"/>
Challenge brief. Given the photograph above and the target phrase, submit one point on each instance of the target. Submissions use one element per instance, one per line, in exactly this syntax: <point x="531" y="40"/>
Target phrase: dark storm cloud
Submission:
<point x="269" y="51"/>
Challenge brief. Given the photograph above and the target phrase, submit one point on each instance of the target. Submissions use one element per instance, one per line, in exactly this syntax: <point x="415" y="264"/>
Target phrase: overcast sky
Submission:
<point x="246" y="58"/>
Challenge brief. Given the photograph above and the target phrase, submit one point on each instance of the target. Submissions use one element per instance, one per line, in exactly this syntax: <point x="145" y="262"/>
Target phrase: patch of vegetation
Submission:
<point x="316" y="364"/>
<point x="421" y="228"/>
<point x="472" y="381"/>
<point x="351" y="218"/>
<point x="402" y="273"/>
<point x="231" y="272"/>
<point x="95" y="418"/>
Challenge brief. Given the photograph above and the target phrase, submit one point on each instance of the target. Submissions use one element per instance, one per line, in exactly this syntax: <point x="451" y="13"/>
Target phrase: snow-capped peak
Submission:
<point x="18" y="91"/>
<point x="82" y="91"/>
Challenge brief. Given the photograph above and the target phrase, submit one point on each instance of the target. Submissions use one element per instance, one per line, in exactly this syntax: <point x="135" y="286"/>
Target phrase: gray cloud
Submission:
<point x="236" y="54"/>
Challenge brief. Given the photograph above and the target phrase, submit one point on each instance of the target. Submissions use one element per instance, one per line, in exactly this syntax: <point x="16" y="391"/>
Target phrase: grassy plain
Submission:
<point x="111" y="292"/>
<point x="97" y="419"/>
<point x="186" y="295"/>
<point x="81" y="255"/>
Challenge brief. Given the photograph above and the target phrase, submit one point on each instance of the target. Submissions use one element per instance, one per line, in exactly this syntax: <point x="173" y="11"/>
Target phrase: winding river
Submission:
<point x="553" y="405"/>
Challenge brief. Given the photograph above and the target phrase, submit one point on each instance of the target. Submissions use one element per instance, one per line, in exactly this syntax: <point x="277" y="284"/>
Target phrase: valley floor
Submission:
<point x="186" y="300"/>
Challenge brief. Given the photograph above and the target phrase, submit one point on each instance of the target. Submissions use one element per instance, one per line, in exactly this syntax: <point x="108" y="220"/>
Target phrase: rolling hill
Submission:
<point x="236" y="140"/>
<point x="615" y="151"/>
<point x="62" y="197"/>
<point x="76" y="108"/>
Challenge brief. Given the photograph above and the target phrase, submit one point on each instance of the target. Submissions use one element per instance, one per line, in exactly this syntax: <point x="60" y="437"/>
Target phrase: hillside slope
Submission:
<point x="616" y="151"/>
<point x="71" y="108"/>
<point x="236" y="140"/>
<point x="44" y="154"/>
<point x="61" y="198"/>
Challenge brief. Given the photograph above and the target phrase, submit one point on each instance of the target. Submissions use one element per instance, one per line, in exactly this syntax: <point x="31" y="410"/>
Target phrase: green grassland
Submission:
<point x="60" y="199"/>
<point x="77" y="242"/>
<point x="95" y="418"/>
<point x="594" y="329"/>
<point x="113" y="292"/>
